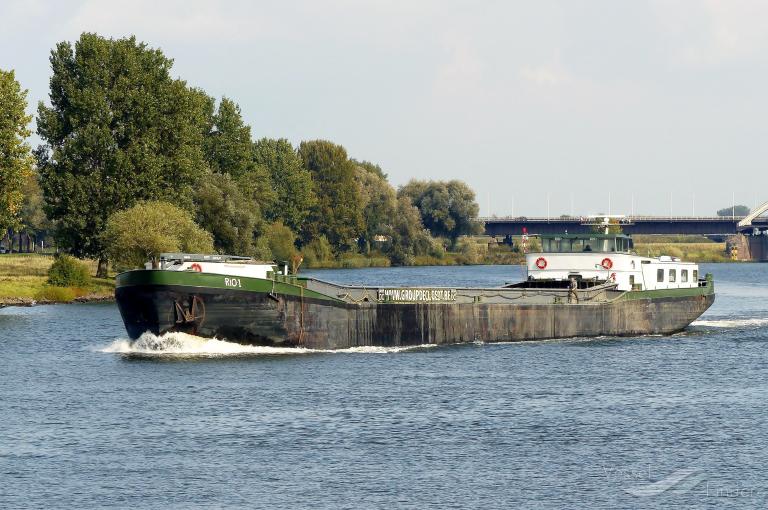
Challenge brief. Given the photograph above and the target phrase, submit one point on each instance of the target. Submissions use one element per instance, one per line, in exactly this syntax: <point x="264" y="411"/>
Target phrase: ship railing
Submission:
<point x="201" y="257"/>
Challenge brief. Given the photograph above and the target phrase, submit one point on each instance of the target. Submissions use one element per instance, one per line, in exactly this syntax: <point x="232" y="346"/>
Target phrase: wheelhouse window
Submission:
<point x="591" y="244"/>
<point x="695" y="275"/>
<point x="608" y="245"/>
<point x="659" y="275"/>
<point x="576" y="244"/>
<point x="672" y="275"/>
<point x="684" y="276"/>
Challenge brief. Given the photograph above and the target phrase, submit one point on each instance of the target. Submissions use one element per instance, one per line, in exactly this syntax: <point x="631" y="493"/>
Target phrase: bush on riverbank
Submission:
<point x="67" y="271"/>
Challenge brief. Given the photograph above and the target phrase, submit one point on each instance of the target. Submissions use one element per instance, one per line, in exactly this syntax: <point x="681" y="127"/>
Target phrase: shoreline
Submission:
<point x="27" y="302"/>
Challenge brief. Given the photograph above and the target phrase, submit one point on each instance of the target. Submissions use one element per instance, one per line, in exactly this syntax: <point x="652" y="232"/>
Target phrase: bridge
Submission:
<point x="752" y="229"/>
<point x="681" y="225"/>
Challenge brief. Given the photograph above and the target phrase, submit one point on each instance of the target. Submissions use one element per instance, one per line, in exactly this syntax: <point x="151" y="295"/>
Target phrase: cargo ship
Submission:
<point x="584" y="285"/>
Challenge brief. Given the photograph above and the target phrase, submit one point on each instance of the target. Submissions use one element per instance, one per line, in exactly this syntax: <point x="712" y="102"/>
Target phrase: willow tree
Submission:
<point x="119" y="129"/>
<point x="144" y="231"/>
<point x="15" y="157"/>
<point x="448" y="209"/>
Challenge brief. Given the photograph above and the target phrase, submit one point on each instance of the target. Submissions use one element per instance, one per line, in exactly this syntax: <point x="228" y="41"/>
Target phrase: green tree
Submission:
<point x="290" y="181"/>
<point x="409" y="237"/>
<point x="379" y="203"/>
<point x="448" y="209"/>
<point x="232" y="218"/>
<point x="141" y="233"/>
<point x="228" y="150"/>
<point x="119" y="130"/>
<point x="15" y="157"/>
<point x="35" y="223"/>
<point x="282" y="242"/>
<point x="317" y="251"/>
<point x="228" y="144"/>
<point x="370" y="167"/>
<point x="337" y="214"/>
<point x="737" y="210"/>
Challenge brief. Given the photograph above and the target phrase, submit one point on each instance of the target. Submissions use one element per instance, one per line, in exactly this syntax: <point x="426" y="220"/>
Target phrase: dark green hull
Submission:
<point x="287" y="313"/>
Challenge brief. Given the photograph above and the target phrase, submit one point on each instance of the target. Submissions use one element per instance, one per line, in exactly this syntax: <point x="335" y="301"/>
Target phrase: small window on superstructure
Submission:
<point x="659" y="275"/>
<point x="684" y="276"/>
<point x="695" y="275"/>
<point x="672" y="275"/>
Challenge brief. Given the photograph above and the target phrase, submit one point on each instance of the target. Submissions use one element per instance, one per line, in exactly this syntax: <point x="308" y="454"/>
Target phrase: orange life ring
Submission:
<point x="607" y="263"/>
<point x="541" y="263"/>
<point x="196" y="267"/>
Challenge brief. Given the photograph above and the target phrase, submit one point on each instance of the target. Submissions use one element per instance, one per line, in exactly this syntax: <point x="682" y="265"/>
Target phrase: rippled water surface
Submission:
<point x="89" y="420"/>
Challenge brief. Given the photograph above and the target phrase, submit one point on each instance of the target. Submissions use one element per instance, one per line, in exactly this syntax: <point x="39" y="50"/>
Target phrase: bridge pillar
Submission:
<point x="758" y="248"/>
<point x="743" y="247"/>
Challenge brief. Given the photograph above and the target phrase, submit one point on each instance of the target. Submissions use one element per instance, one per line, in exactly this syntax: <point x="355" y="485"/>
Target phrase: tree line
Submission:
<point x="121" y="134"/>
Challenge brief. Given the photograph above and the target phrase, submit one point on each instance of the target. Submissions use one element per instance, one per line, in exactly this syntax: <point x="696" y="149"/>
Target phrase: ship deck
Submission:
<point x="522" y="293"/>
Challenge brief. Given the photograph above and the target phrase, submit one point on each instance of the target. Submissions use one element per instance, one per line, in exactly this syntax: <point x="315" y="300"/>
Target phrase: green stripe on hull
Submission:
<point x="216" y="281"/>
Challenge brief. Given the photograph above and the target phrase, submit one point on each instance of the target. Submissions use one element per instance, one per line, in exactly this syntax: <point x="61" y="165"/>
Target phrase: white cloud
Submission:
<point x="714" y="32"/>
<point x="545" y="74"/>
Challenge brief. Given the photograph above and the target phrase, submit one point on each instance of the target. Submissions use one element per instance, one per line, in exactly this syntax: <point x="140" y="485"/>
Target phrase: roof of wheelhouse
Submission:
<point x="584" y="236"/>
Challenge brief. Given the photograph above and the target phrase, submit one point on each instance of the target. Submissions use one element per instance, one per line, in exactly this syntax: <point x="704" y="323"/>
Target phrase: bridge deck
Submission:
<point x="714" y="225"/>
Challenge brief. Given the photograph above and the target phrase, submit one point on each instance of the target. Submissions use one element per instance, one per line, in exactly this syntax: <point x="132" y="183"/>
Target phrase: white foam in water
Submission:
<point x="732" y="323"/>
<point x="183" y="344"/>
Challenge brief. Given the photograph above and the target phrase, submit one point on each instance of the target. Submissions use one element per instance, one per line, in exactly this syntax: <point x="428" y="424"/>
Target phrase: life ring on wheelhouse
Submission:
<point x="541" y="263"/>
<point x="196" y="267"/>
<point x="607" y="263"/>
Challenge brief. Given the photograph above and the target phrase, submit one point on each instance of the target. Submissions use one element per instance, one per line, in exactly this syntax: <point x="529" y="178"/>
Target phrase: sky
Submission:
<point x="542" y="107"/>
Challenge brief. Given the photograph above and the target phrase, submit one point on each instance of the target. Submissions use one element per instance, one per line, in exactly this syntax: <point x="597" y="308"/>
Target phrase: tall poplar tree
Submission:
<point x="291" y="182"/>
<point x="228" y="144"/>
<point x="378" y="200"/>
<point x="119" y="130"/>
<point x="15" y="157"/>
<point x="229" y="151"/>
<point x="337" y="213"/>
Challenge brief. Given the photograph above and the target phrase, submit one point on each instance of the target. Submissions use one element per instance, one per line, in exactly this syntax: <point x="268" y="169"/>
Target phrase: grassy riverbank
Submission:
<point x="689" y="248"/>
<point x="23" y="281"/>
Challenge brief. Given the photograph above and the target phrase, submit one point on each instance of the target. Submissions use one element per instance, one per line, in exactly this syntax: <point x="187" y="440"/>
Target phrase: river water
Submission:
<point x="88" y="420"/>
